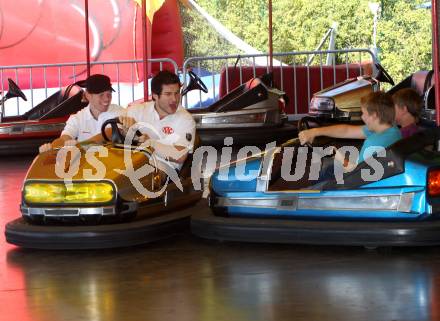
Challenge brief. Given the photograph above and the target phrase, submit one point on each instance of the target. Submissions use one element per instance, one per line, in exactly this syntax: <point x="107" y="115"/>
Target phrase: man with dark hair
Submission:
<point x="163" y="77"/>
<point x="408" y="106"/>
<point x="163" y="122"/>
<point x="379" y="130"/>
<point x="86" y="124"/>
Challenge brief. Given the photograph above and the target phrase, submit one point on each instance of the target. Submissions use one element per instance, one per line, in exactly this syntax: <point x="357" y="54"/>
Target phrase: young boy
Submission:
<point x="408" y="106"/>
<point x="378" y="115"/>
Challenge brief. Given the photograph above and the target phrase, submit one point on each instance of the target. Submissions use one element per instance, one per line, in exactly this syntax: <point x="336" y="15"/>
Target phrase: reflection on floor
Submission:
<point x="186" y="278"/>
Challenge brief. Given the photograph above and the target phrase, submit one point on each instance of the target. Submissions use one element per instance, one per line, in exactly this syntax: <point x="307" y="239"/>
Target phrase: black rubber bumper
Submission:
<point x="56" y="237"/>
<point x="369" y="234"/>
<point x="248" y="136"/>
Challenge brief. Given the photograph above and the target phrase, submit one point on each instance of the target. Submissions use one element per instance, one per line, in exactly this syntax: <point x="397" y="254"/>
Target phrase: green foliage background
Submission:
<point x="403" y="30"/>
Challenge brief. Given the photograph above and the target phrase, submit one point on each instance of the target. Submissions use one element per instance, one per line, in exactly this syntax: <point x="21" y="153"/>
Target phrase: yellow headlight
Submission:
<point x="75" y="193"/>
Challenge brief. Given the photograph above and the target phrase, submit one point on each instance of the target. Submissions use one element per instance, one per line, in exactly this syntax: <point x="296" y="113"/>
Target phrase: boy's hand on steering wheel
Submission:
<point x="306" y="136"/>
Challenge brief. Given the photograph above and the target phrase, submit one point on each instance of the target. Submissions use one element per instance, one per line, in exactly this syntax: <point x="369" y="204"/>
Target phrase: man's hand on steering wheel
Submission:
<point x="129" y="123"/>
<point x="120" y="126"/>
<point x="126" y="123"/>
<point x="143" y="138"/>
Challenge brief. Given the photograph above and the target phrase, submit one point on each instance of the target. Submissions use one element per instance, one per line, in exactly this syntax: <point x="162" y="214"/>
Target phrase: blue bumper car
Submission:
<point x="392" y="200"/>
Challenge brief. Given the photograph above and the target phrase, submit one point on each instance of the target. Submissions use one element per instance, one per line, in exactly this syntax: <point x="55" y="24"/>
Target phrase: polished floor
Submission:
<point x="186" y="278"/>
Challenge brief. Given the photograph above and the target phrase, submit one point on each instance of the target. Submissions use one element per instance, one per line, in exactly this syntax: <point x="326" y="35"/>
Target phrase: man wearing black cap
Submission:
<point x="86" y="124"/>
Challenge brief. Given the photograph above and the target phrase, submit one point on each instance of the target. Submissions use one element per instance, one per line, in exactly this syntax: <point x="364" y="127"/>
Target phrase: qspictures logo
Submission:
<point x="209" y="159"/>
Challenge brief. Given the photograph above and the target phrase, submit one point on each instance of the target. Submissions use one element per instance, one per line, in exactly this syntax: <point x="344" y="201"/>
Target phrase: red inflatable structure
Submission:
<point x="53" y="32"/>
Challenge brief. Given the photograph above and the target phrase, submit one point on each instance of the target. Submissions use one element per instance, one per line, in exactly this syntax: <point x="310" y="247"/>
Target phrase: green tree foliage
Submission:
<point x="403" y="31"/>
<point x="405" y="39"/>
<point x="201" y="40"/>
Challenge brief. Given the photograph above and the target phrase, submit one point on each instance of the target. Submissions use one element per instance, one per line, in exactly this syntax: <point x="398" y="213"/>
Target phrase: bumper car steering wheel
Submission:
<point x="117" y="137"/>
<point x="383" y="74"/>
<point x="14" y="91"/>
<point x="194" y="83"/>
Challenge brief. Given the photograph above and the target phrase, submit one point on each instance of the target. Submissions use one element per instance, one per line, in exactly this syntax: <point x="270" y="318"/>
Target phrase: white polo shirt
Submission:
<point x="82" y="125"/>
<point x="175" y="129"/>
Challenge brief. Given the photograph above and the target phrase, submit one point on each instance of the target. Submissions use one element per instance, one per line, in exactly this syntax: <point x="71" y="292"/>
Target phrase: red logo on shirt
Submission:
<point x="167" y="130"/>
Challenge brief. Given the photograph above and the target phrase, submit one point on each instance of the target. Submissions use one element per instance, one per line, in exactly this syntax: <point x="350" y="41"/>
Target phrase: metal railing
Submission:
<point x="52" y="77"/>
<point x="217" y="64"/>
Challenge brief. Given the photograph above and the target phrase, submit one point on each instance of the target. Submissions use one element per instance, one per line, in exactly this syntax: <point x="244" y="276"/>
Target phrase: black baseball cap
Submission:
<point x="96" y="84"/>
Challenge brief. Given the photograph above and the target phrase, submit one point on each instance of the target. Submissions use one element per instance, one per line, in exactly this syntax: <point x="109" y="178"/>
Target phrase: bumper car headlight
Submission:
<point x="321" y="104"/>
<point x="75" y="193"/>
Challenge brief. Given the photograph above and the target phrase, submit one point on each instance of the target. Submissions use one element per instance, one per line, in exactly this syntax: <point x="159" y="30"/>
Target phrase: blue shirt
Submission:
<point x="373" y="139"/>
